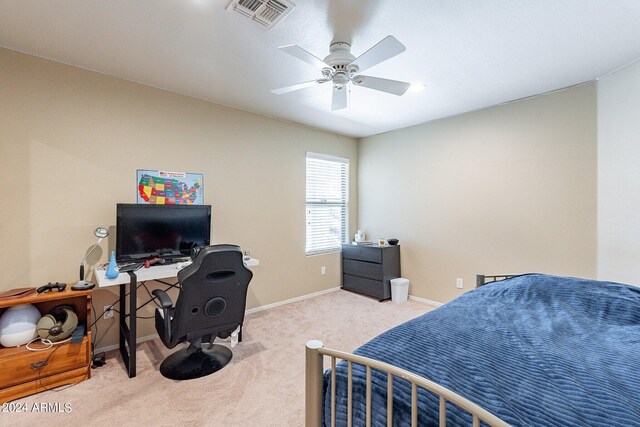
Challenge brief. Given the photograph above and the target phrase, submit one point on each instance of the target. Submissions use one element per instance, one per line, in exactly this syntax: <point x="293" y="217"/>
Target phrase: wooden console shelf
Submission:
<point x="24" y="372"/>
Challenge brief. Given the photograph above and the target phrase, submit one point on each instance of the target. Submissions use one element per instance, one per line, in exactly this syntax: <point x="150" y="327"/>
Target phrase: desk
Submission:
<point x="154" y="272"/>
<point x="128" y="332"/>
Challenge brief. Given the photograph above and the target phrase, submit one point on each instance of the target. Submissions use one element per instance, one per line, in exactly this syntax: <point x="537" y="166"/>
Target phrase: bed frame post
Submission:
<point x="479" y="280"/>
<point x="313" y="384"/>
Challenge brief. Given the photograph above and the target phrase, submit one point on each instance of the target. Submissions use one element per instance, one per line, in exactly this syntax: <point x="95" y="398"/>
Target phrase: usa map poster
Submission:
<point x="169" y="188"/>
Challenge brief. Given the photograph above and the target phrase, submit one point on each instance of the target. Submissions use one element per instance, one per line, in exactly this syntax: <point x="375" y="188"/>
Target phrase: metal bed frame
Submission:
<point x="315" y="353"/>
<point x="484" y="279"/>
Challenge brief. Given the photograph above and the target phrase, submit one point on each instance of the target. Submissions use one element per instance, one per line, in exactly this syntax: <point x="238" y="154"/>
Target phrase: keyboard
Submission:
<point x="130" y="266"/>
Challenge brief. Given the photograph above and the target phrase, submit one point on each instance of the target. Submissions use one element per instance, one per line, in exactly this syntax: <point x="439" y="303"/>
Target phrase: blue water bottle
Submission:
<point x="112" y="268"/>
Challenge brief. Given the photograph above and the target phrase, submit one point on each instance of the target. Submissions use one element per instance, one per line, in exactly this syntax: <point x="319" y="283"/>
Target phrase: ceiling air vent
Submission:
<point x="264" y="12"/>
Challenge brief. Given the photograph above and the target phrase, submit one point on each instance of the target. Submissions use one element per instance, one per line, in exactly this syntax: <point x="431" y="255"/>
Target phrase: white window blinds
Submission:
<point x="327" y="202"/>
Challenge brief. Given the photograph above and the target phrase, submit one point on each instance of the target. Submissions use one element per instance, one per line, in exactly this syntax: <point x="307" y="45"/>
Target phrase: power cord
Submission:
<point x="98" y="359"/>
<point x="42" y="365"/>
<point x="150" y="296"/>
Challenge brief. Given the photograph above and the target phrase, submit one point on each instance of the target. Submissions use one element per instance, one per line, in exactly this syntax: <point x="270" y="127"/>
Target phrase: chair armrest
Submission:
<point x="163" y="297"/>
<point x="163" y="318"/>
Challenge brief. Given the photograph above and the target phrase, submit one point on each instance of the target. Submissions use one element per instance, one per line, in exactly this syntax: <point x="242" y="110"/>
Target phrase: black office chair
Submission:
<point x="211" y="304"/>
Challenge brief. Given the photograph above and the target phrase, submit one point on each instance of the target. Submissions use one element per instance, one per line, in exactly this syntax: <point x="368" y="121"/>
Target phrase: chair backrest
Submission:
<point x="213" y="294"/>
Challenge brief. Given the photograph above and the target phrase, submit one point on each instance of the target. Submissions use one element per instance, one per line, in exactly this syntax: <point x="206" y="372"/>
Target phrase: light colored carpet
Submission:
<point x="263" y="385"/>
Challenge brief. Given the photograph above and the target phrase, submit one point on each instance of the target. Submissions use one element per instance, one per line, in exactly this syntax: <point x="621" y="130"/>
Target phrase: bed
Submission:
<point x="530" y="350"/>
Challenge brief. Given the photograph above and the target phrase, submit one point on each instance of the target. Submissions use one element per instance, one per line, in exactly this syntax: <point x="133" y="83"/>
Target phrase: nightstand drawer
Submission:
<point x="44" y="383"/>
<point x="20" y="366"/>
<point x="362" y="253"/>
<point x="364" y="269"/>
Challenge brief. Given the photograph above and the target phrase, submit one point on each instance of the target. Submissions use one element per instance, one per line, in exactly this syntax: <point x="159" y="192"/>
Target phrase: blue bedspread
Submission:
<point x="535" y="350"/>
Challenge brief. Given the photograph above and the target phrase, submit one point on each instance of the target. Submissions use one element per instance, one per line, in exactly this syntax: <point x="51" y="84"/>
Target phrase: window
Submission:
<point x="327" y="203"/>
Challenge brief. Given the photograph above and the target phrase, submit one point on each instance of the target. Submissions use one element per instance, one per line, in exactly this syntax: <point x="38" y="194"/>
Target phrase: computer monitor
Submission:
<point x="165" y="231"/>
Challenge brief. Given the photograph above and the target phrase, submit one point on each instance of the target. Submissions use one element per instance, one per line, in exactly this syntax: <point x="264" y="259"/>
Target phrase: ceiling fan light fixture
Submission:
<point x="341" y="66"/>
<point x="340" y="78"/>
<point x="327" y="73"/>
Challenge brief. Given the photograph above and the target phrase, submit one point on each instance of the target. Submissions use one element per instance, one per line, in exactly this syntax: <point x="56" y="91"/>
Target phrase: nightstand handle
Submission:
<point x="39" y="365"/>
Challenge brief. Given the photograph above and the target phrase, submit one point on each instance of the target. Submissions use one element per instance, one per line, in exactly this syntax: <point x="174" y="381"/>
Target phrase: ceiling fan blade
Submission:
<point x="298" y="86"/>
<point x="300" y="53"/>
<point x="340" y="99"/>
<point x="394" y="87"/>
<point x="386" y="48"/>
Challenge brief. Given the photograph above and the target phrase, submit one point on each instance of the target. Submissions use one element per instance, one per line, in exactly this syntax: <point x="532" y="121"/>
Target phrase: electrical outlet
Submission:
<point x="323" y="270"/>
<point x="459" y="283"/>
<point x="108" y="312"/>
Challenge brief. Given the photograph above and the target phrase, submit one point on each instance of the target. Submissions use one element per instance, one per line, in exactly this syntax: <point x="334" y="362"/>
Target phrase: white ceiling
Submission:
<point x="470" y="53"/>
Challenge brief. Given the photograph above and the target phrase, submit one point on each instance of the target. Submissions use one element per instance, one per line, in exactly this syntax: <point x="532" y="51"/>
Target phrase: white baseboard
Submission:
<point x="252" y="310"/>
<point x="289" y="301"/>
<point x="426" y="301"/>
<point x="116" y="346"/>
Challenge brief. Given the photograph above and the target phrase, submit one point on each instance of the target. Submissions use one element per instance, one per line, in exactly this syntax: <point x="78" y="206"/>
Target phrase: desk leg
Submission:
<point x="122" y="316"/>
<point x="133" y="327"/>
<point x="128" y="333"/>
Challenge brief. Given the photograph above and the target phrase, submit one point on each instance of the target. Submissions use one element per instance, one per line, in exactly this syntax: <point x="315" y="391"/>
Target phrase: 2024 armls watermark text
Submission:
<point x="37" y="407"/>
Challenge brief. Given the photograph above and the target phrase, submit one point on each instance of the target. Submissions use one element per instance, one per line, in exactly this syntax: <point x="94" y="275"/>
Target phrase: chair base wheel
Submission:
<point x="187" y="364"/>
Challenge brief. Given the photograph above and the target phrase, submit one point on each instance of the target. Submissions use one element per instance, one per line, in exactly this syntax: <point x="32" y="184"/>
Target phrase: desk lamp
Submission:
<point x="84" y="285"/>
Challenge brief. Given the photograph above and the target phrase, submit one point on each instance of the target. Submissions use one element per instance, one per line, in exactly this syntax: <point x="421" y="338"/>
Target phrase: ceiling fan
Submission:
<point x="340" y="68"/>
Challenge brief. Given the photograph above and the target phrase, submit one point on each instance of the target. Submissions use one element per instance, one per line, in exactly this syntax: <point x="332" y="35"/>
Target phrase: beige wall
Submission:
<point x="71" y="141"/>
<point x="504" y="190"/>
<point x="507" y="189"/>
<point x="619" y="176"/>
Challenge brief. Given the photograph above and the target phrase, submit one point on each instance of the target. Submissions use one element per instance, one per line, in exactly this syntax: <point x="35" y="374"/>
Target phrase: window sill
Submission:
<point x="329" y="252"/>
